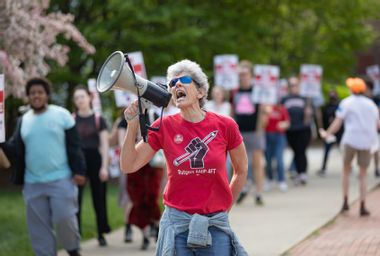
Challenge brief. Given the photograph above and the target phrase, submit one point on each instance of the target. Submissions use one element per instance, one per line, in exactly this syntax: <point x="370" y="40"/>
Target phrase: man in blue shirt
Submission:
<point x="41" y="143"/>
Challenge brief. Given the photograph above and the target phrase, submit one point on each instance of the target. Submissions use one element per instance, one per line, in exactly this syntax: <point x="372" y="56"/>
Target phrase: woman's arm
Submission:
<point x="133" y="156"/>
<point x="104" y="147"/>
<point x="240" y="168"/>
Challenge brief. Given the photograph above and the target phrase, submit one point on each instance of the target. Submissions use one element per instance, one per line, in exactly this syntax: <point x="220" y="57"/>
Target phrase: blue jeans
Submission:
<point x="276" y="143"/>
<point x="221" y="245"/>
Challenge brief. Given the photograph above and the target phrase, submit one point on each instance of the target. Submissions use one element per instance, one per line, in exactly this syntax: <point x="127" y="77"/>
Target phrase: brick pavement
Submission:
<point x="348" y="234"/>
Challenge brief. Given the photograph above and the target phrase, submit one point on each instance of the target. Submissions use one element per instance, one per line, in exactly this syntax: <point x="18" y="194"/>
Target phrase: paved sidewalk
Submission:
<point x="348" y="234"/>
<point x="285" y="220"/>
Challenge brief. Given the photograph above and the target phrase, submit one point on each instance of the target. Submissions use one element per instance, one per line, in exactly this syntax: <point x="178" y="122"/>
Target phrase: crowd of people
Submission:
<point x="212" y="152"/>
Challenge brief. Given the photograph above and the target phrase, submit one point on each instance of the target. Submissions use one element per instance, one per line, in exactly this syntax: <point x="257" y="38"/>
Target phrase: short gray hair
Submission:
<point x="195" y="71"/>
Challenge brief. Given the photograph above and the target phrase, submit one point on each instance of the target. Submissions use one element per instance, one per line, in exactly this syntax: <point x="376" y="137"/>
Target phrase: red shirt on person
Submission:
<point x="195" y="154"/>
<point x="278" y="114"/>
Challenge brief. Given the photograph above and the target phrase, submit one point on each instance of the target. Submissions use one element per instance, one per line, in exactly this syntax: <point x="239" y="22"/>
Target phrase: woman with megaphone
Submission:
<point x="195" y="143"/>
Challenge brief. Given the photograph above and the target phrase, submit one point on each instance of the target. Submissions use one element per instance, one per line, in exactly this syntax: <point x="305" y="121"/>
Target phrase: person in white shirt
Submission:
<point x="360" y="117"/>
<point x="218" y="104"/>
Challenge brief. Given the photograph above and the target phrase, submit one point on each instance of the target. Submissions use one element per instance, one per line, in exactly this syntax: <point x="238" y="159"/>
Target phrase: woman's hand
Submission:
<point x="131" y="112"/>
<point x="103" y="174"/>
<point x="329" y="138"/>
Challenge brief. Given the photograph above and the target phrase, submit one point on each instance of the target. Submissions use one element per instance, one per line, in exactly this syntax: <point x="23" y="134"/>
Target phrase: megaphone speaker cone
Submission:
<point x="110" y="71"/>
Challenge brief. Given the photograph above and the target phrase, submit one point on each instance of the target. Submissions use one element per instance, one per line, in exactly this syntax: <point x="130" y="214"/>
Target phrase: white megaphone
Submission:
<point x="116" y="74"/>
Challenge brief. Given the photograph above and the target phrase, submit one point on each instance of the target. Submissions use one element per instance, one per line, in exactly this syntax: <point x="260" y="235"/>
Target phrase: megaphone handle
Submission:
<point x="143" y="129"/>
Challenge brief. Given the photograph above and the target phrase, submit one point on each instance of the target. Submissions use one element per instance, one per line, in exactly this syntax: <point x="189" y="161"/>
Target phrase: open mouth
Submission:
<point x="180" y="95"/>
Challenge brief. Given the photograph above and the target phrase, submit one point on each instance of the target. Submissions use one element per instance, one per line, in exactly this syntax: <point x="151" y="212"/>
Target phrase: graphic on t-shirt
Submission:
<point x="196" y="150"/>
<point x="244" y="105"/>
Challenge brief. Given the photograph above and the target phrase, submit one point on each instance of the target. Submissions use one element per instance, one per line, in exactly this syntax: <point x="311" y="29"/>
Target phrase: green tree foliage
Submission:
<point x="282" y="32"/>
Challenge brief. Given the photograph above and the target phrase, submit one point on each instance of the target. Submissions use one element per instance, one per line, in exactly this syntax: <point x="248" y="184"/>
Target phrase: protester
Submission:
<point x="47" y="159"/>
<point x="197" y="196"/>
<point x="92" y="129"/>
<point x="328" y="116"/>
<point x="278" y="122"/>
<point x="251" y="118"/>
<point x="299" y="133"/>
<point x="361" y="121"/>
<point x="143" y="188"/>
<point x="218" y="104"/>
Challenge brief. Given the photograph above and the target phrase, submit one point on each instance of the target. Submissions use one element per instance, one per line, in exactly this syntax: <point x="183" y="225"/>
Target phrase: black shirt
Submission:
<point x="246" y="112"/>
<point x="296" y="104"/>
<point x="89" y="128"/>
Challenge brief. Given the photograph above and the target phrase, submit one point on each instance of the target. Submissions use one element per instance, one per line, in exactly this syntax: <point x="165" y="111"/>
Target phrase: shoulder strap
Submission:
<point x="97" y="121"/>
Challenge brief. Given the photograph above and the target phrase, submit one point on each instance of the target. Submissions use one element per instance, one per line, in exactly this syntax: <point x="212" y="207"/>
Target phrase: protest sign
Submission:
<point x="266" y="78"/>
<point x="123" y="98"/>
<point x="96" y="102"/>
<point x="374" y="74"/>
<point x="310" y="82"/>
<point x="225" y="71"/>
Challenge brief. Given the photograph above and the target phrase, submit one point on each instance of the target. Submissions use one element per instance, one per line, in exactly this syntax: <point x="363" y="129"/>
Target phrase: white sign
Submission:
<point x="265" y="81"/>
<point x="374" y="73"/>
<point x="113" y="167"/>
<point x="122" y="98"/>
<point x="2" y="105"/>
<point x="137" y="61"/>
<point x="310" y="83"/>
<point x="225" y="70"/>
<point x="96" y="102"/>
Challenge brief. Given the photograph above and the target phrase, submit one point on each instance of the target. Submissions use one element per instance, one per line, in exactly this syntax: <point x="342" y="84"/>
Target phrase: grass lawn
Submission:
<point x="14" y="240"/>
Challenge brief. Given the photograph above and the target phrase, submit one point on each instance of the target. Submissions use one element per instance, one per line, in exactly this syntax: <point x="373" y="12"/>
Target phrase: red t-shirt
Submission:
<point x="196" y="161"/>
<point x="278" y="114"/>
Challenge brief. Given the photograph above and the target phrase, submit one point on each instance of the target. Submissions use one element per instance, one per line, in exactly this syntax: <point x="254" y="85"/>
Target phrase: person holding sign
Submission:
<point x="252" y="120"/>
<point x="361" y="122"/>
<point x="195" y="143"/>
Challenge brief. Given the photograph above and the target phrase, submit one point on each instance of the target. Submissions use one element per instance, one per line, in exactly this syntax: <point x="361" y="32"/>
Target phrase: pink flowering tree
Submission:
<point x="29" y="39"/>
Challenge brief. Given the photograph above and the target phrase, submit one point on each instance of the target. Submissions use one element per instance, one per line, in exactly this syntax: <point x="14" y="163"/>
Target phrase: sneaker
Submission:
<point x="303" y="179"/>
<point x="154" y="231"/>
<point x="321" y="173"/>
<point x="241" y="197"/>
<point x="377" y="173"/>
<point x="74" y="253"/>
<point x="145" y="244"/>
<point x="364" y="212"/>
<point x="283" y="186"/>
<point x="102" y="241"/>
<point x="128" y="233"/>
<point x="259" y="201"/>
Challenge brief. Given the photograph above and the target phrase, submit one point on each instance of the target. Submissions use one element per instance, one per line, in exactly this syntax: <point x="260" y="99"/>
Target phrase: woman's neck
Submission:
<point x="85" y="112"/>
<point x="193" y="115"/>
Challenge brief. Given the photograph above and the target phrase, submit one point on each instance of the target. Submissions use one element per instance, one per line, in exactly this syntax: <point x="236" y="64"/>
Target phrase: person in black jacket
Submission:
<point x="299" y="133"/>
<point x="46" y="158"/>
<point x="328" y="116"/>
